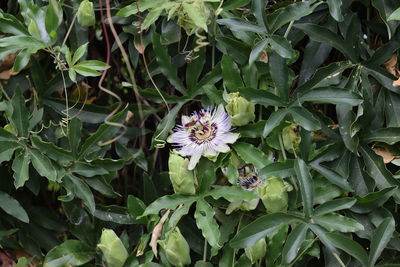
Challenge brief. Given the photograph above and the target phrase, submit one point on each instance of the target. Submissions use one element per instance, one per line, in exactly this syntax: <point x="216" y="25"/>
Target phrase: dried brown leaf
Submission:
<point x="155" y="235"/>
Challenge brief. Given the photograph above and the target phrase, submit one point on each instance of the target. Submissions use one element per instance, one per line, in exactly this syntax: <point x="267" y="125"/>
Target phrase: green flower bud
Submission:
<point x="181" y="178"/>
<point x="242" y="205"/>
<point x="86" y="17"/>
<point x="257" y="251"/>
<point x="239" y="109"/>
<point x="176" y="248"/>
<point x="274" y="194"/>
<point x="114" y="251"/>
<point x="291" y="138"/>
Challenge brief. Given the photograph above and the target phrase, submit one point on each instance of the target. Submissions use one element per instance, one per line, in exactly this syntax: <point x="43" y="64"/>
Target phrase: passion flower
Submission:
<point x="204" y="133"/>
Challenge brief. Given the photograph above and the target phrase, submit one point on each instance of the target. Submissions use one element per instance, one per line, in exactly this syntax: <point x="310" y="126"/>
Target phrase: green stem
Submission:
<point x="205" y="250"/>
<point x="237" y="231"/>
<point x="288" y="29"/>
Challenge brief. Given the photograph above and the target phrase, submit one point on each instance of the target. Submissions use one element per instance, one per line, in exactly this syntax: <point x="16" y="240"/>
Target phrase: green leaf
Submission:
<point x="79" y="53"/>
<point x="238" y="25"/>
<point x="80" y="189"/>
<point x="168" y="202"/>
<point x="306" y="186"/>
<point x="205" y="221"/>
<point x="90" y="68"/>
<point x="261" y="97"/>
<point x="258" y="10"/>
<point x="330" y="95"/>
<point x="19" y="117"/>
<point x="74" y="135"/>
<point x="294" y="242"/>
<point x="322" y="73"/>
<point x="10" y="24"/>
<point x="257" y="50"/>
<point x="43" y="165"/>
<point x="136" y="208"/>
<point x="274" y="120"/>
<point x="232" y="193"/>
<point x="21" y="61"/>
<point x="395" y="15"/>
<point x="165" y="125"/>
<point x="320" y="34"/>
<point x="333" y="176"/>
<point x="374" y="200"/>
<point x="278" y="169"/>
<point x="282" y="46"/>
<point x="197" y="14"/>
<point x="335" y="205"/>
<point x="346" y="119"/>
<point x="69" y="253"/>
<point x="206" y="175"/>
<point x="236" y="49"/>
<point x="164" y="61"/>
<point x="20" y="166"/>
<point x="381" y="237"/>
<point x="84" y="71"/>
<point x="36" y="118"/>
<point x="335" y="9"/>
<point x="251" y="154"/>
<point x="194" y="69"/>
<point x="377" y="170"/>
<point x="386" y="7"/>
<point x="52" y="151"/>
<point x="389" y="136"/>
<point x="7" y="136"/>
<point x="305" y="118"/>
<point x="151" y="18"/>
<point x="114" y="214"/>
<point x="7" y="149"/>
<point x="177" y="215"/>
<point x="139" y="6"/>
<point x="87" y="169"/>
<point x="349" y="246"/>
<point x="231" y="74"/>
<point x="100" y="185"/>
<point x="280" y="75"/>
<point x="289" y="13"/>
<point x="335" y="222"/>
<point x="261" y="227"/>
<point x="12" y="207"/>
<point x="54" y="17"/>
<point x="252" y="130"/>
<point x="104" y="133"/>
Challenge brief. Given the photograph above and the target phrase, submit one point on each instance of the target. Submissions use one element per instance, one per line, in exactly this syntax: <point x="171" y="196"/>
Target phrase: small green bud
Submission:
<point x="274" y="194"/>
<point x="257" y="251"/>
<point x="86" y="17"/>
<point x="291" y="138"/>
<point x="239" y="109"/>
<point x="176" y="248"/>
<point x="113" y="250"/>
<point x="181" y="178"/>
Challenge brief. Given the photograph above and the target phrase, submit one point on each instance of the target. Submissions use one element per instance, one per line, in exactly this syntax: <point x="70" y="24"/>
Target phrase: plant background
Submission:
<point x="80" y="152"/>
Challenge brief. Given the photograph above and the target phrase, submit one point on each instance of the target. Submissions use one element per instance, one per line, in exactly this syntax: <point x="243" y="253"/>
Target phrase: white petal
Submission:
<point x="185" y="119"/>
<point x="230" y="138"/>
<point x="210" y="152"/>
<point x="180" y="137"/>
<point x="194" y="159"/>
<point x="222" y="148"/>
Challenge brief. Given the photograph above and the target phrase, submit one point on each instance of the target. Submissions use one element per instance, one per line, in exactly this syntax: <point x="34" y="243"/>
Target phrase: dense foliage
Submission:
<point x="199" y="132"/>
